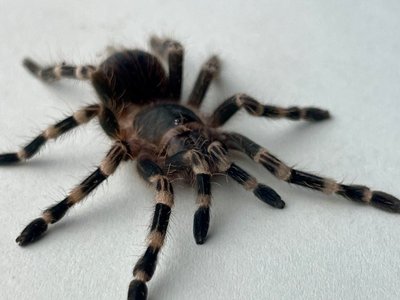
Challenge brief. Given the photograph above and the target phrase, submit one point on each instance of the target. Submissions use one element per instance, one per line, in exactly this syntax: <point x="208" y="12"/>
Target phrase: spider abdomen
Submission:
<point x="130" y="77"/>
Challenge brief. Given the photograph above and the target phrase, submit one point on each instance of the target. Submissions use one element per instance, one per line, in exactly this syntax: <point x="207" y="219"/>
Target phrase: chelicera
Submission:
<point x="140" y="110"/>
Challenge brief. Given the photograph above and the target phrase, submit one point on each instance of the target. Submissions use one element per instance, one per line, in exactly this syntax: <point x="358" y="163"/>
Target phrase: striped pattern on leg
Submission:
<point x="54" y="213"/>
<point x="231" y="105"/>
<point x="195" y="160"/>
<point x="201" y="220"/>
<point x="201" y="169"/>
<point x="145" y="267"/>
<point x="81" y="116"/>
<point x="328" y="186"/>
<point x="173" y="52"/>
<point x="261" y="191"/>
<point x="208" y="72"/>
<point x="57" y="72"/>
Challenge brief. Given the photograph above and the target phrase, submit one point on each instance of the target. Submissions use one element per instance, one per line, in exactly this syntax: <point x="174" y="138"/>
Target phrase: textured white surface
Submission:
<point x="340" y="55"/>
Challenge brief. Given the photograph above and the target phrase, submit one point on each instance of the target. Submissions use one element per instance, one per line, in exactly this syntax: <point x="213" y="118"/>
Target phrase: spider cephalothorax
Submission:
<point x="140" y="111"/>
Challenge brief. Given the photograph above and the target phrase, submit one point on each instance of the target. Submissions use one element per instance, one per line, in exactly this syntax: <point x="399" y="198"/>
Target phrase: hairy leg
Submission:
<point x="261" y="191"/>
<point x="328" y="186"/>
<point x="145" y="267"/>
<point x="201" y="219"/>
<point x="173" y="52"/>
<point x="208" y="72"/>
<point x="81" y="116"/>
<point x="54" y="213"/>
<point x="56" y="72"/>
<point x="231" y="105"/>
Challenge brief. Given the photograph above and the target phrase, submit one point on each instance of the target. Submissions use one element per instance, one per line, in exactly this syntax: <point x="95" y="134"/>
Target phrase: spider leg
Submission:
<point x="81" y="116"/>
<point x="145" y="267"/>
<point x="231" y="105"/>
<point x="261" y="191"/>
<point x="201" y="169"/>
<point x="328" y="186"/>
<point x="208" y="72"/>
<point x="51" y="215"/>
<point x="218" y="153"/>
<point x="195" y="160"/>
<point x="201" y="219"/>
<point x="173" y="52"/>
<point x="56" y="72"/>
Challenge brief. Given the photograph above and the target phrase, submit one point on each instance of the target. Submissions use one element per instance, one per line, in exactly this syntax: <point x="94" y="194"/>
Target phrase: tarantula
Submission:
<point x="140" y="111"/>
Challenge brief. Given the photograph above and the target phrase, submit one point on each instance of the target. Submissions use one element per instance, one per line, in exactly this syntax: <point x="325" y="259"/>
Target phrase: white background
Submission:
<point x="340" y="55"/>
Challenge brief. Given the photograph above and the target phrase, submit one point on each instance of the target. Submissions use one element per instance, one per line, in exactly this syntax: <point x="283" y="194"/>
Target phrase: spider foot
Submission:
<point x="137" y="290"/>
<point x="32" y="232"/>
<point x="8" y="158"/>
<point x="201" y="224"/>
<point x="48" y="74"/>
<point x="385" y="201"/>
<point x="31" y="66"/>
<point x="269" y="196"/>
<point x="164" y="46"/>
<point x="314" y="114"/>
<point x="213" y="65"/>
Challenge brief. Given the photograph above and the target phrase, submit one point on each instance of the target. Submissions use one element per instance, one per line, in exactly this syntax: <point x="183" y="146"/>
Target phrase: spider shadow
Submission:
<point x="40" y="162"/>
<point x="71" y="91"/>
<point x="72" y="224"/>
<point x="116" y="207"/>
<point x="295" y="134"/>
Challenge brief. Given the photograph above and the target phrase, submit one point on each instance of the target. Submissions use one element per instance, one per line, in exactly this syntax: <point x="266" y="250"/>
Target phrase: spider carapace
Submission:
<point x="140" y="111"/>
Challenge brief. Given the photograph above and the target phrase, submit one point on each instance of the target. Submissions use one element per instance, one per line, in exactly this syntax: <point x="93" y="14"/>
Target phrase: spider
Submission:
<point x="140" y="111"/>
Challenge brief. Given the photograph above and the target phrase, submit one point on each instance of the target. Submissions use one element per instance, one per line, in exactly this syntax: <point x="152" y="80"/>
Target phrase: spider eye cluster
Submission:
<point x="178" y="121"/>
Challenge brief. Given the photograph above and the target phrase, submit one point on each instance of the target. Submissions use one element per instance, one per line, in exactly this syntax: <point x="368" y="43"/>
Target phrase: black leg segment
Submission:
<point x="173" y="52"/>
<point x="261" y="191"/>
<point x="201" y="220"/>
<point x="137" y="290"/>
<point x="208" y="72"/>
<point x="201" y="171"/>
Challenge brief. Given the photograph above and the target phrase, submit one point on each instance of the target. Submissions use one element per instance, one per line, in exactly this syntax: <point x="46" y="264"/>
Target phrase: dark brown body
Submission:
<point x="130" y="77"/>
<point x="138" y="105"/>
